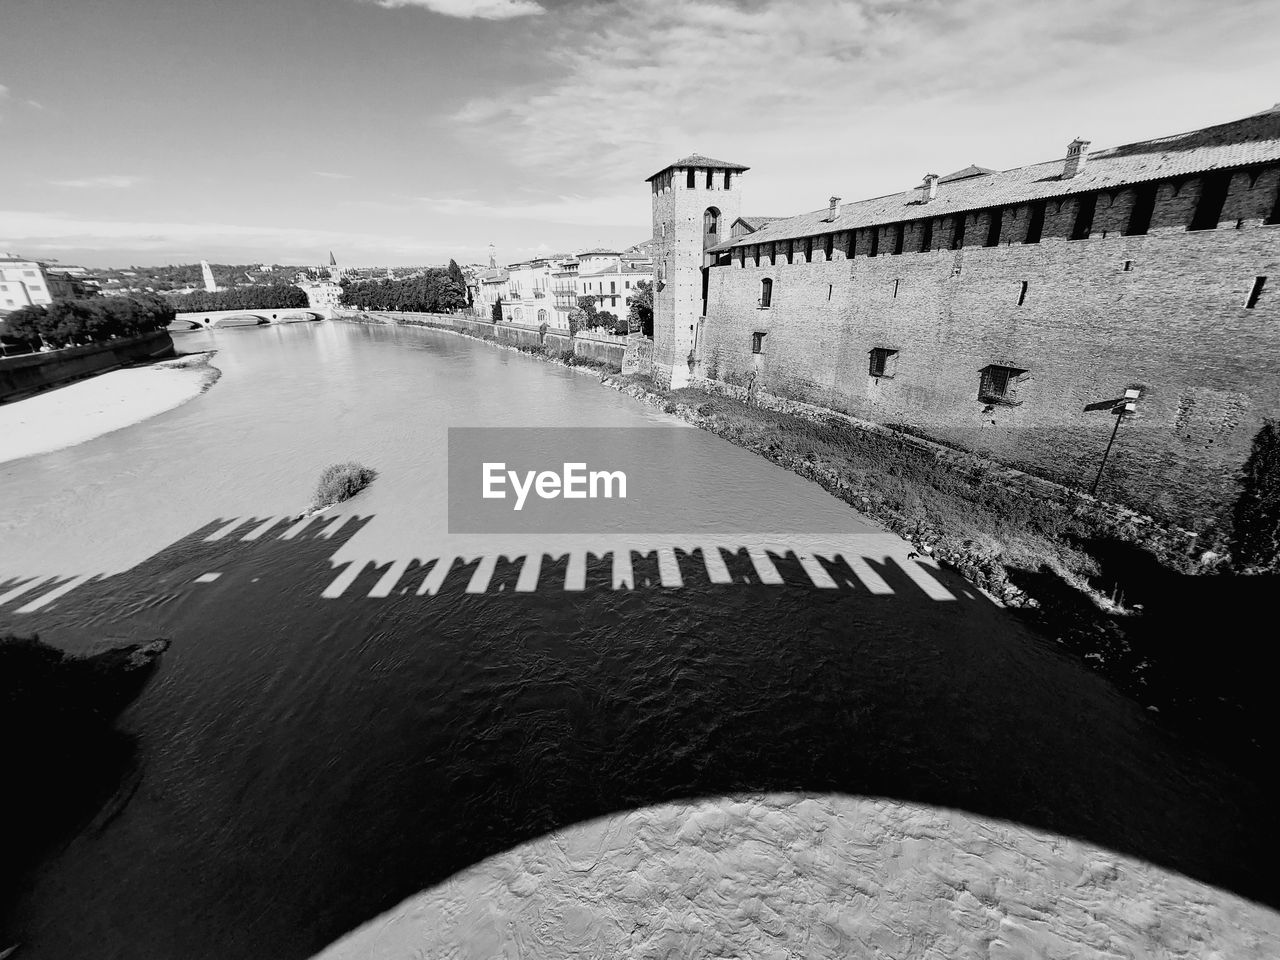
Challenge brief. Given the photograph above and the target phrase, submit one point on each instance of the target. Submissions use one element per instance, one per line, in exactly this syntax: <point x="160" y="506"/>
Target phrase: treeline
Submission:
<point x="278" y="296"/>
<point x="66" y="323"/>
<point x="436" y="290"/>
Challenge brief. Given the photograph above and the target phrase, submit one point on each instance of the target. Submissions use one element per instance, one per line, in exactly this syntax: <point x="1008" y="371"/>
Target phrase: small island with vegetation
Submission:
<point x="339" y="482"/>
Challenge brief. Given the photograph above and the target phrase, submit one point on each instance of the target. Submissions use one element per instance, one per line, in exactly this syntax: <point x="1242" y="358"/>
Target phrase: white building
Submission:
<point x="22" y="283"/>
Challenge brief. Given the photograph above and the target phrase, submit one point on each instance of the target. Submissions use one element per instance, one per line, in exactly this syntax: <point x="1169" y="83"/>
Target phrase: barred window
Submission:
<point x="766" y="294"/>
<point x="883" y="362"/>
<point x="757" y="342"/>
<point x="999" y="384"/>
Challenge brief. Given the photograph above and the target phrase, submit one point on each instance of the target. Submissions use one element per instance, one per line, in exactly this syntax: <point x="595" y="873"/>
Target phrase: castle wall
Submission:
<point x="1165" y="311"/>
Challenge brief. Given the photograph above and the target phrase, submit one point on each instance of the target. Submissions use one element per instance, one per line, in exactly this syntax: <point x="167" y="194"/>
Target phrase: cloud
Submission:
<point x="48" y="232"/>
<point x="331" y="176"/>
<point x="471" y="9"/>
<point x="4" y="92"/>
<point x="35" y="104"/>
<point x="630" y="208"/>
<point x="833" y="87"/>
<point x="108" y="182"/>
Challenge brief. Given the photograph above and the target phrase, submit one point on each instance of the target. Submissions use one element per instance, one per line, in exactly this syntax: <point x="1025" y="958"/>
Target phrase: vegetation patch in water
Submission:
<point x="341" y="481"/>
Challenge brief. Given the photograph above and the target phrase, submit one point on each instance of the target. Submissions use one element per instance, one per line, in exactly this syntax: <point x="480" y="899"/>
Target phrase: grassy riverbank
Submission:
<point x="1129" y="597"/>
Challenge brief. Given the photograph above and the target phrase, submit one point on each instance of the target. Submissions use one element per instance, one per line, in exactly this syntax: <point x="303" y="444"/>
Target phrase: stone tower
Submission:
<point x="210" y="284"/>
<point x="695" y="202"/>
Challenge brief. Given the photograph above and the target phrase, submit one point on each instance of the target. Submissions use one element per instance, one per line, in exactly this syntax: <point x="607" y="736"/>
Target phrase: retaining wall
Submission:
<point x="30" y="373"/>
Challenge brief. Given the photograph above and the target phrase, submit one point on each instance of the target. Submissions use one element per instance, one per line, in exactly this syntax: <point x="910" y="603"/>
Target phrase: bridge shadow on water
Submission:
<point x="311" y="761"/>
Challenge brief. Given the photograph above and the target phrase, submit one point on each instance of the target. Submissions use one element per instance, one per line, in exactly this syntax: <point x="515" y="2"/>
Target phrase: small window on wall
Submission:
<point x="688" y="180"/>
<point x="883" y="362"/>
<point x="757" y="342"/>
<point x="766" y="293"/>
<point x="999" y="384"/>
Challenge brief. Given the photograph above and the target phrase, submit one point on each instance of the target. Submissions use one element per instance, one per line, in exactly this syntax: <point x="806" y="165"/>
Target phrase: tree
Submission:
<point x="640" y="315"/>
<point x="1255" y="540"/>
<point x="460" y="280"/>
<point x="24" y="325"/>
<point x="496" y="313"/>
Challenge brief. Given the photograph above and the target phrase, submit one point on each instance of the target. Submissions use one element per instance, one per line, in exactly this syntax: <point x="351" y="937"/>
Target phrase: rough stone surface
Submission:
<point x="795" y="875"/>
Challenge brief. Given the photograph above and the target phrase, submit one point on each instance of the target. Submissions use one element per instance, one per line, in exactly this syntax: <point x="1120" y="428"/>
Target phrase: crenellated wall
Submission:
<point x="1165" y="311"/>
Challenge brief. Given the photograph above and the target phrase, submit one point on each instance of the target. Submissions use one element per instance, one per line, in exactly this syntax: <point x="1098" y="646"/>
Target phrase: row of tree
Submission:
<point x="435" y="290"/>
<point x="66" y="323"/>
<point x="276" y="296"/>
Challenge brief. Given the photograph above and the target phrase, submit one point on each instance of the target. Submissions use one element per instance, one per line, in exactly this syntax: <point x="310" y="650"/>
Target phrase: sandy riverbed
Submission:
<point x="89" y="408"/>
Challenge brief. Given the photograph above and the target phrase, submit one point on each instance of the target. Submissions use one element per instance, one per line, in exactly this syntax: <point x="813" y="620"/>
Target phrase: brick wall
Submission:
<point x="1174" y="323"/>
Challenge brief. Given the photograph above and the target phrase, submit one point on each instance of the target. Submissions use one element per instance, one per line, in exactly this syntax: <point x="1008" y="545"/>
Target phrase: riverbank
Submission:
<point x="108" y="402"/>
<point x="64" y="759"/>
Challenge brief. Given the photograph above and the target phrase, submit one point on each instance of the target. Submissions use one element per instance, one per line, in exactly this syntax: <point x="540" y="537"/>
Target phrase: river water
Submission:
<point x="353" y="711"/>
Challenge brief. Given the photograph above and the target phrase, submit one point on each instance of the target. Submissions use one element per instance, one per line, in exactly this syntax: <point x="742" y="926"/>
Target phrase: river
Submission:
<point x="357" y="709"/>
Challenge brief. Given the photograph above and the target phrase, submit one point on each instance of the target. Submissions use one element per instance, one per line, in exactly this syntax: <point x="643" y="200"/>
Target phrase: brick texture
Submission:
<point x="1174" y="323"/>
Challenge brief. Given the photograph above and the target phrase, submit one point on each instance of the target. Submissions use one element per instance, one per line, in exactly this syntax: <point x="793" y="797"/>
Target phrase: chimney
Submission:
<point x="833" y="209"/>
<point x="929" y="189"/>
<point x="1077" y="157"/>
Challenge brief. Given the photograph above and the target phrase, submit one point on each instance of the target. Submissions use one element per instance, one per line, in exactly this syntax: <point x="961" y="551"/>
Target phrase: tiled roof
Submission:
<point x="494" y="276"/>
<point x="600" y="251"/>
<point x="698" y="160"/>
<point x="755" y="223"/>
<point x="973" y="170"/>
<point x="625" y="266"/>
<point x="1253" y="140"/>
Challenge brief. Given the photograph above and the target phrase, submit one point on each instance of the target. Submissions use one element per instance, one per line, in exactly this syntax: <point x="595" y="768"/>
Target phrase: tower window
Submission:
<point x="895" y="288"/>
<point x="1022" y="294"/>
<point x="926" y="236"/>
<point x="957" y="237"/>
<point x="709" y="175"/>
<point x="727" y="179"/>
<point x="875" y="242"/>
<point x="883" y="362"/>
<point x="829" y="245"/>
<point x="688" y="178"/>
<point x="766" y="294"/>
<point x="999" y="384"/>
<point x="1255" y="294"/>
<point x="808" y="249"/>
<point x="899" y="233"/>
<point x="830" y="288"/>
<point x="1213" y="195"/>
<point x="757" y="342"/>
<point x="1085" y="207"/>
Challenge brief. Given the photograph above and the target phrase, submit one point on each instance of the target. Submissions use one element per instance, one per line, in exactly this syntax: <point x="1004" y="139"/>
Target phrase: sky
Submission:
<point x="397" y="132"/>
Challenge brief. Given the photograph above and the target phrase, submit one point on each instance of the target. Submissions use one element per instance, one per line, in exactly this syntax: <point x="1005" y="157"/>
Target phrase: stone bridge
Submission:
<point x="243" y="318"/>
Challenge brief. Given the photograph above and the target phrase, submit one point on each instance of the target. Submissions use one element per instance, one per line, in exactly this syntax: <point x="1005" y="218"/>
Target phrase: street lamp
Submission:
<point x="1121" y="407"/>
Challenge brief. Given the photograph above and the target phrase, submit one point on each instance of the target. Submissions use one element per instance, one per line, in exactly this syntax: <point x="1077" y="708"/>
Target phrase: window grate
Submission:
<point x="999" y="384"/>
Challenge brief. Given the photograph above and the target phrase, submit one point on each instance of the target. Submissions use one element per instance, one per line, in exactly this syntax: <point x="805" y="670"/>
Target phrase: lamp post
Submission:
<point x="1121" y="408"/>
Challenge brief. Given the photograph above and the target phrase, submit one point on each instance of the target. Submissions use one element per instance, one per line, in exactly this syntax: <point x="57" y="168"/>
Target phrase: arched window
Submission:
<point x="542" y="317"/>
<point x="518" y="314"/>
<point x="766" y="293"/>
<point x="711" y="223"/>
